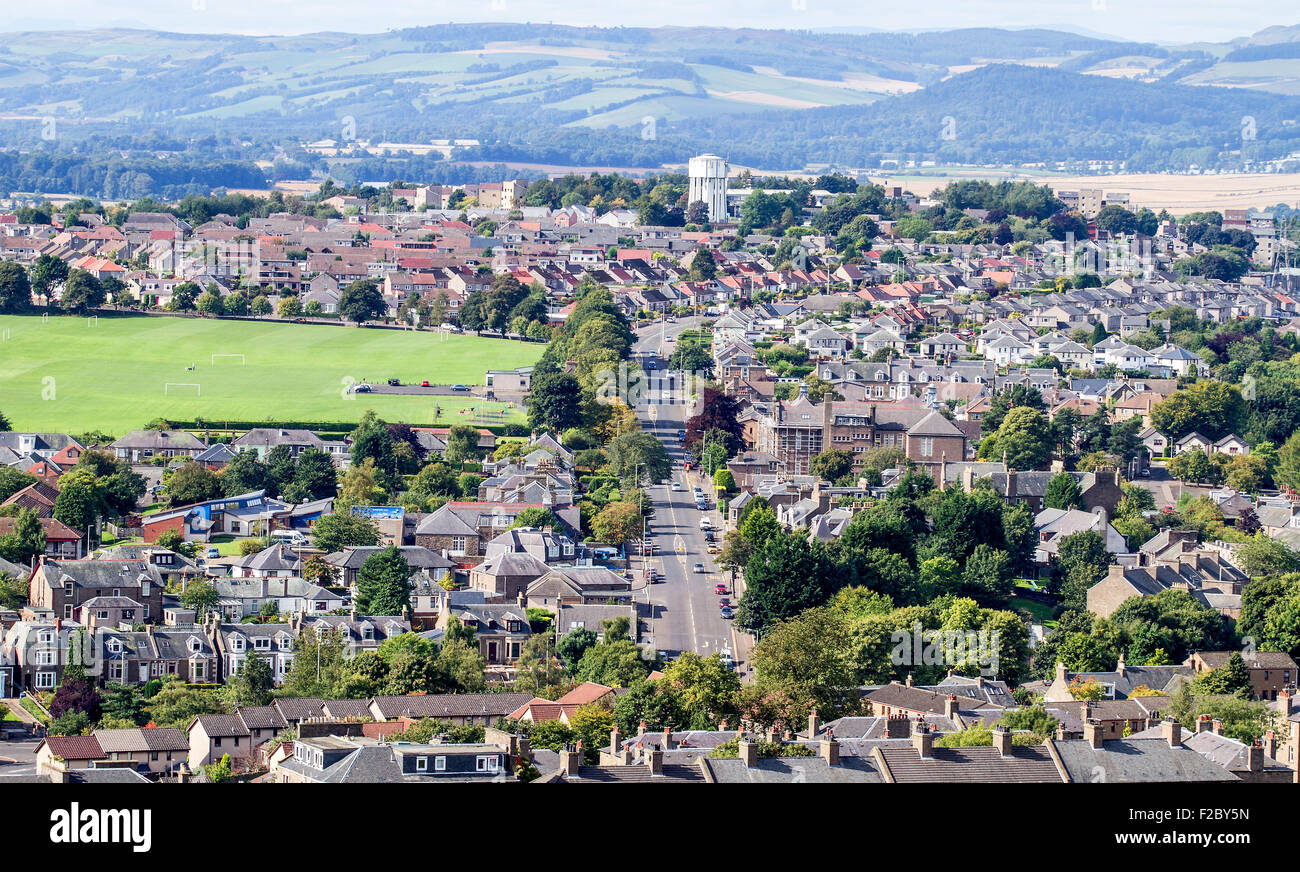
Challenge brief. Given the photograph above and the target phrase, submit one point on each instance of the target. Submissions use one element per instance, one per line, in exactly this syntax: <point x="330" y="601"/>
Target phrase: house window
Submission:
<point x="440" y="764"/>
<point x="457" y="543"/>
<point x="927" y="446"/>
<point x="486" y="764"/>
<point x="421" y="764"/>
<point x="44" y="680"/>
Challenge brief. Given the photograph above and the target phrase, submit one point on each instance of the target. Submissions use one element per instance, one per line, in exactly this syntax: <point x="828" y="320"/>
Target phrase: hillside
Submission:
<point x="165" y="113"/>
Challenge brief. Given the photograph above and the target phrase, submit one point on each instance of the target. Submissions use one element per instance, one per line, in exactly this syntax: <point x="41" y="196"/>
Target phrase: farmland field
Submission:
<point x="69" y="374"/>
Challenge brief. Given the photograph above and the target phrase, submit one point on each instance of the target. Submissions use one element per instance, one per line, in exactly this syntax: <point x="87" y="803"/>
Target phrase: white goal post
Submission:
<point x="242" y="362"/>
<point x="198" y="390"/>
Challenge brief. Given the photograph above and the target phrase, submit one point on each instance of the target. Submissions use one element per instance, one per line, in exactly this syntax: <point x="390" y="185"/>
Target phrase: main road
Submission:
<point x="683" y="605"/>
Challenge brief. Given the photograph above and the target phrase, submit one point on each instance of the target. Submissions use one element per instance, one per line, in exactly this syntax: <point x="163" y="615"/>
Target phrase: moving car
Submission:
<point x="699" y="567"/>
<point x="677" y="485"/>
<point x="395" y="382"/>
<point x="425" y="383"/>
<point x="459" y="388"/>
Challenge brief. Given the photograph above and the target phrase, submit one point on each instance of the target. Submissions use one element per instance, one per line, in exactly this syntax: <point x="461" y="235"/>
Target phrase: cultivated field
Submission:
<point x="71" y="374"/>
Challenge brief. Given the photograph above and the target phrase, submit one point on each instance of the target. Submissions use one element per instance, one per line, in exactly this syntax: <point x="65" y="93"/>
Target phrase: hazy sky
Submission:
<point x="1145" y="20"/>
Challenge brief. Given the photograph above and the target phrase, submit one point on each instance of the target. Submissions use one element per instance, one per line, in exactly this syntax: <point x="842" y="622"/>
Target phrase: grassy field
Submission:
<point x="69" y="374"/>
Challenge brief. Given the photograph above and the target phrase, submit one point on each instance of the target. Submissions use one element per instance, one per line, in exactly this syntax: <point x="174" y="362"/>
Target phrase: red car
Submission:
<point x="724" y="603"/>
<point x="424" y="384"/>
<point x="720" y="589"/>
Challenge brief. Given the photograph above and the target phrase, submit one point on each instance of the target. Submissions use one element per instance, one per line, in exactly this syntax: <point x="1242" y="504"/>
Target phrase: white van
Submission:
<point x="288" y="537"/>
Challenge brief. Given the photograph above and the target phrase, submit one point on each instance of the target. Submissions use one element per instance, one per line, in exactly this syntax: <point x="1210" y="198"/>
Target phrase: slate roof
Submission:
<point x="980" y="765"/>
<point x="792" y="770"/>
<point x="1136" y="760"/>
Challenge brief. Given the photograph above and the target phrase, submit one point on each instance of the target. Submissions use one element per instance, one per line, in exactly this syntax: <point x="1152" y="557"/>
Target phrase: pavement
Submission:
<point x="684" y="611"/>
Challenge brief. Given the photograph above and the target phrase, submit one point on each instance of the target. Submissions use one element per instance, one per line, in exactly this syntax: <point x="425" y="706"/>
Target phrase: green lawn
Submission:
<point x="68" y="374"/>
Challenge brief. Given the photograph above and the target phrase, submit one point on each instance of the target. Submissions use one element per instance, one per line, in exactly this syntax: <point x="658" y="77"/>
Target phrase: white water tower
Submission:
<point x="708" y="174"/>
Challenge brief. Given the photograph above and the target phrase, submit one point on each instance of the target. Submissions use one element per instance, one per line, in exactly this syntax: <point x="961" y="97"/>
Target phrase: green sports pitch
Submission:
<point x="117" y="373"/>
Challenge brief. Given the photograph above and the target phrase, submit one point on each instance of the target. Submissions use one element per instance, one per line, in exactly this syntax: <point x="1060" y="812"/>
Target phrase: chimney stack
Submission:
<point x="570" y="760"/>
<point x="1203" y="724"/>
<point x="748" y="752"/>
<point x="1255" y="757"/>
<point x="923" y="741"/>
<point x="1002" y="740"/>
<point x="1094" y="734"/>
<point x="656" y="760"/>
<point x="950" y="706"/>
<point x="1217" y="726"/>
<point x="814" y="725"/>
<point x="613" y="741"/>
<point x="1173" y="732"/>
<point x="668" y="739"/>
<point x="898" y="726"/>
<point x="829" y="748"/>
<point x="909" y="682"/>
<point x="1270" y="744"/>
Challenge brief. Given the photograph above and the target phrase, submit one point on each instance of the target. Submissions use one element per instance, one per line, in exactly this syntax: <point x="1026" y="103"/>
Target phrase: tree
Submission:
<point x="200" y="596"/>
<point x="832" y="464"/>
<point x="1212" y="408"/>
<point x="618" y="522"/>
<point x="314" y="477"/>
<point x="462" y="444"/>
<point x="252" y="683"/>
<point x="245" y="473"/>
<point x="574" y="644"/>
<point x="784" y="576"/>
<point x="371" y="439"/>
<point x="260" y="306"/>
<point x="635" y="457"/>
<point x="361" y="301"/>
<point x="805" y="659"/>
<point x="555" y="402"/>
<point x="176" y="703"/>
<point x="209" y="303"/>
<point x="339" y="530"/>
<point x="1024" y="439"/>
<point x="987" y="575"/>
<point x="614" y="662"/>
<point x="26" y="540"/>
<point x="15" y="288"/>
<point x="1063" y="492"/>
<point x="1082" y="561"/>
<point x="77" y="503"/>
<point x="47" y="273"/>
<point x="383" y="583"/>
<point x="192" y="483"/>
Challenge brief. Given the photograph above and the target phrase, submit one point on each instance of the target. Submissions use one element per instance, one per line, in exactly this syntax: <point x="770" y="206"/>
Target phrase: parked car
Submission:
<point x="362" y="389"/>
<point x="725" y="602"/>
<point x="719" y="589"/>
<point x="424" y="384"/>
<point x="395" y="382"/>
<point x="726" y="612"/>
<point x="705" y="524"/>
<point x="699" y="567"/>
<point x="212" y="552"/>
<point x="459" y="388"/>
